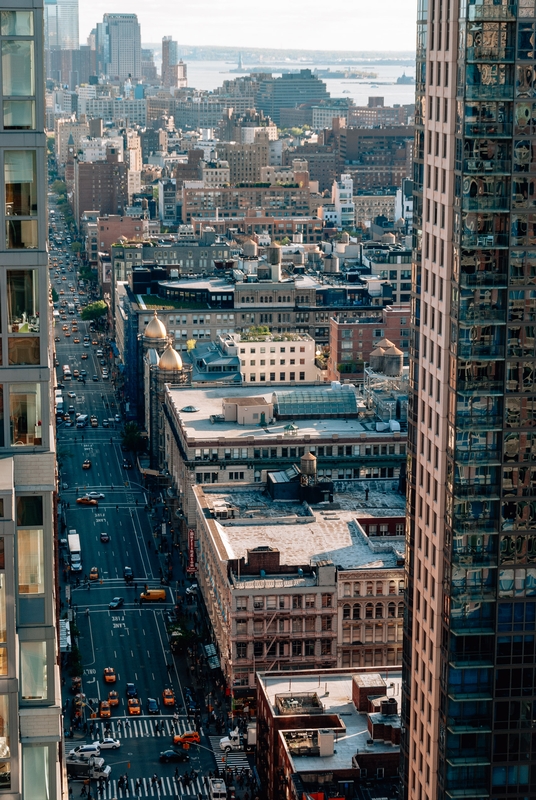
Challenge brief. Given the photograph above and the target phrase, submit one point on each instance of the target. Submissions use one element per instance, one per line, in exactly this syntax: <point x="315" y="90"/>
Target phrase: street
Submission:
<point x="132" y="638"/>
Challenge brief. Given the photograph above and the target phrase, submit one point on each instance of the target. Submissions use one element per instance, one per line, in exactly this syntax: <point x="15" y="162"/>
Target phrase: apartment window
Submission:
<point x="30" y="557"/>
<point x="20" y="178"/>
<point x="309" y="647"/>
<point x="325" y="647"/>
<point x="25" y="414"/>
<point x="241" y="603"/>
<point x="297" y="649"/>
<point x="310" y="601"/>
<point x="327" y="600"/>
<point x="258" y="603"/>
<point x="297" y="601"/>
<point x="327" y="623"/>
<point x="241" y="649"/>
<point x="18" y="78"/>
<point x="241" y="626"/>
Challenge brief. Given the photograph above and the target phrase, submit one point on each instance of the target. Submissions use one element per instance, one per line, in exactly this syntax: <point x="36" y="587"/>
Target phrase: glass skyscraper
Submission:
<point x="469" y="708"/>
<point x="30" y="698"/>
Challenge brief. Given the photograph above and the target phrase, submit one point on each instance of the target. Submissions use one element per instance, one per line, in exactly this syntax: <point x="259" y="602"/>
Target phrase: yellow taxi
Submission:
<point x="109" y="675"/>
<point x="105" y="711"/>
<point x="134" y="707"/>
<point x="94" y="574"/>
<point x="113" y="698"/>
<point x="188" y="737"/>
<point x="168" y="698"/>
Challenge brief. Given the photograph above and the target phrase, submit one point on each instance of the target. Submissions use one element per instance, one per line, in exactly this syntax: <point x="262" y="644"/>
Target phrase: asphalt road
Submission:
<point x="132" y="639"/>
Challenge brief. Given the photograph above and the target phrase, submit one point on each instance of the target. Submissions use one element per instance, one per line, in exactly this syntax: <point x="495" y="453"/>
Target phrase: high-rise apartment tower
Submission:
<point x="122" y="46"/>
<point x="470" y="680"/>
<point x="30" y="700"/>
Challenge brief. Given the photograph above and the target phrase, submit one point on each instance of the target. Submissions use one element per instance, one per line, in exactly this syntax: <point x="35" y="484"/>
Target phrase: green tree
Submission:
<point x="76" y="247"/>
<point x="59" y="187"/>
<point x="94" y="311"/>
<point x="132" y="439"/>
<point x="55" y="296"/>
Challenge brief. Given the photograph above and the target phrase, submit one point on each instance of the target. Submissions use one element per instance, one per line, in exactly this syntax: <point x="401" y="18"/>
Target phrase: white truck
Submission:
<point x="239" y="741"/>
<point x="217" y="790"/>
<point x="90" y="769"/>
<point x="75" y="552"/>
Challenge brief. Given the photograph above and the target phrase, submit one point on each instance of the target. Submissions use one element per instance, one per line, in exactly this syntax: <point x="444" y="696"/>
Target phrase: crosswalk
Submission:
<point x="235" y="758"/>
<point x="168" y="787"/>
<point x="139" y="727"/>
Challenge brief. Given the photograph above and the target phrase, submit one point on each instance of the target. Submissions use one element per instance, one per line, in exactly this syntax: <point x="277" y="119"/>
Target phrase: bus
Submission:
<point x="67" y="376"/>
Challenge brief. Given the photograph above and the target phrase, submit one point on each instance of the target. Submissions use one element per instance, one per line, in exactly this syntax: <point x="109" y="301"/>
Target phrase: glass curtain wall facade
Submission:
<point x="30" y="702"/>
<point x="470" y="646"/>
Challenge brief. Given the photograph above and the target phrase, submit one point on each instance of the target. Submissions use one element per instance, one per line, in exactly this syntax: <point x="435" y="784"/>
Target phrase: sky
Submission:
<point x="314" y="25"/>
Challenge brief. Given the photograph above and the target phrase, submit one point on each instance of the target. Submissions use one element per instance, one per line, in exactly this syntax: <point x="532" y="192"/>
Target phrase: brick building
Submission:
<point x="112" y="226"/>
<point x="227" y="202"/>
<point x="352" y="339"/>
<point x="102" y="185"/>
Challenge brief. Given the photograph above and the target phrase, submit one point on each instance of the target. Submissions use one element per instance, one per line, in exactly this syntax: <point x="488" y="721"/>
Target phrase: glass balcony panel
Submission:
<point x="486" y="53"/>
<point x="485" y="203"/>
<point x="499" y="91"/>
<point x="480" y="166"/>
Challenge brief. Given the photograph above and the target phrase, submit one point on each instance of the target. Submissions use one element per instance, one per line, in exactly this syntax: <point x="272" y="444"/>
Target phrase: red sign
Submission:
<point x="192" y="563"/>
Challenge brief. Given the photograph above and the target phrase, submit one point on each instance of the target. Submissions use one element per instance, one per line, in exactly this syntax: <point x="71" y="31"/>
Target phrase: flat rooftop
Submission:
<point x="302" y="537"/>
<point x="197" y="425"/>
<point x="335" y="694"/>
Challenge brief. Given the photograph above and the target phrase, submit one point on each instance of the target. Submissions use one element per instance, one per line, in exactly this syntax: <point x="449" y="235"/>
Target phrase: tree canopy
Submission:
<point x="132" y="439"/>
<point x="94" y="310"/>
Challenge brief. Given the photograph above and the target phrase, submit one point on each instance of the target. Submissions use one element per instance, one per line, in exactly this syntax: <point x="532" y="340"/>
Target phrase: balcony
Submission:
<point x="479" y="313"/>
<point x="476" y="491"/>
<point x="481" y="279"/>
<point x="487" y="456"/>
<point x="497" y="91"/>
<point x="479" y="166"/>
<point x="491" y="129"/>
<point x="506" y="12"/>
<point x="480" y="351"/>
<point x="493" y="54"/>
<point x="465" y="526"/>
<point x="484" y="240"/>
<point x="478" y="421"/>
<point x="484" y="203"/>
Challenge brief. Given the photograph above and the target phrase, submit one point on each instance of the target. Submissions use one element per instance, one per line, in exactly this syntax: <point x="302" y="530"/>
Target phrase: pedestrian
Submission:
<point x="117" y="508"/>
<point x="87" y="609"/>
<point x="83" y="793"/>
<point x="176" y="772"/>
<point x="127" y="724"/>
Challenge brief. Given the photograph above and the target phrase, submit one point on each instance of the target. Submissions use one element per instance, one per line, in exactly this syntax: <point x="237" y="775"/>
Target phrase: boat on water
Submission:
<point x="406" y="80"/>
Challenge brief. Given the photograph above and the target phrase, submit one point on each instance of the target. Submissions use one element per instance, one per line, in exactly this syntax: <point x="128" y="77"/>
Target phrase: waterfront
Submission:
<point x="209" y="75"/>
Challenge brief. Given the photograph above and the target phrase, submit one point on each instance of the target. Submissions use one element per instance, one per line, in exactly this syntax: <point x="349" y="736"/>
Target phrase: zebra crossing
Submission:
<point x="138" y="727"/>
<point x="168" y="787"/>
<point x="235" y="758"/>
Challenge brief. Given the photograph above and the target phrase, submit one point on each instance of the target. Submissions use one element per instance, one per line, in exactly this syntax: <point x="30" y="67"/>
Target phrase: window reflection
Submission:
<point x="23" y="301"/>
<point x="25" y="414"/>
<point x="20" y="183"/>
<point x="21" y="234"/>
<point x="16" y="23"/>
<point x="29" y="510"/>
<point x="23" y="351"/>
<point x="33" y="670"/>
<point x="19" y="115"/>
<point x="18" y="68"/>
<point x="31" y="561"/>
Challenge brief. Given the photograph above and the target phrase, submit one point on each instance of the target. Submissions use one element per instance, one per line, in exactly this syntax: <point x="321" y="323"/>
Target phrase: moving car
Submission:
<point x="96" y="495"/>
<point x="152" y="706"/>
<point x="130" y="690"/>
<point x="127" y="464"/>
<point x="117" y="602"/>
<point x="87" y="501"/>
<point x="128" y="574"/>
<point x="85" y="750"/>
<point x="108" y="743"/>
<point x="188" y="737"/>
<point x="105" y="423"/>
<point x="190" y="589"/>
<point x="94" y="574"/>
<point x="71" y="394"/>
<point x="105" y="711"/>
<point x="113" y="698"/>
<point x="95" y="377"/>
<point x="86" y="464"/>
<point x="174" y="755"/>
<point x="134" y="707"/>
<point x="168" y="698"/>
<point x="109" y="675"/>
<point x="104" y="537"/>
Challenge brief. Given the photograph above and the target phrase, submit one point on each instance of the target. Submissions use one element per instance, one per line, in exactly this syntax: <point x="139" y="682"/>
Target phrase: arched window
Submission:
<point x="370" y="589"/>
<point x="369" y="611"/>
<point x="379" y="610"/>
<point x="357" y="589"/>
<point x="391" y="611"/>
<point x="356" y="611"/>
<point x="347" y="590"/>
<point x="392" y="587"/>
<point x="346" y="612"/>
<point x="401" y="609"/>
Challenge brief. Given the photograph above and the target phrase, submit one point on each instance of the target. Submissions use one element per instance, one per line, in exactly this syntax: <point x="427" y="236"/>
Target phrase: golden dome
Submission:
<point x="155" y="329"/>
<point x="170" y="360"/>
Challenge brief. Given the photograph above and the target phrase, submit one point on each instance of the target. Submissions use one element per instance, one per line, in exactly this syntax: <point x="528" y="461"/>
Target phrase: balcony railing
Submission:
<point x="485" y="240"/>
<point x="485" y="203"/>
<point x="476" y="490"/>
<point x="477" y="421"/>
<point x="480" y="313"/>
<point x="495" y="54"/>
<point x="480" y="350"/>
<point x="489" y="129"/>
<point x="483" y="280"/>
<point x="478" y="456"/>
<point x="479" y="166"/>
<point x="497" y="91"/>
<point x="506" y="11"/>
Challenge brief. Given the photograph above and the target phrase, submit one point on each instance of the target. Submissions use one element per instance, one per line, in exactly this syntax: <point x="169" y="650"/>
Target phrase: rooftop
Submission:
<point x="199" y="426"/>
<point x="301" y="533"/>
<point x="334" y="692"/>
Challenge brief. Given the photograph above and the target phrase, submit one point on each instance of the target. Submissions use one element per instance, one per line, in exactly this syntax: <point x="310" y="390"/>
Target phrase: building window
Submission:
<point x="241" y="650"/>
<point x="30" y="558"/>
<point x="325" y="647"/>
<point x="25" y="414"/>
<point x="346" y="612"/>
<point x="327" y="600"/>
<point x="309" y="647"/>
<point x="297" y="647"/>
<point x="241" y="626"/>
<point x="327" y="623"/>
<point x="33" y="659"/>
<point x="241" y="603"/>
<point x="309" y="601"/>
<point x="258" y="603"/>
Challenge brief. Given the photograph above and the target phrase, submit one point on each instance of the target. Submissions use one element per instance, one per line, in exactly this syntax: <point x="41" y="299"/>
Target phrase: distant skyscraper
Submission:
<point x="61" y="24"/>
<point x="469" y="709"/>
<point x="124" y="42"/>
<point x="173" y="70"/>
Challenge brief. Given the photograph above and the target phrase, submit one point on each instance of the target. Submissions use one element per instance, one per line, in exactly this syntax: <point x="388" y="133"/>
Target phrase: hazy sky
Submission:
<point x="336" y="25"/>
